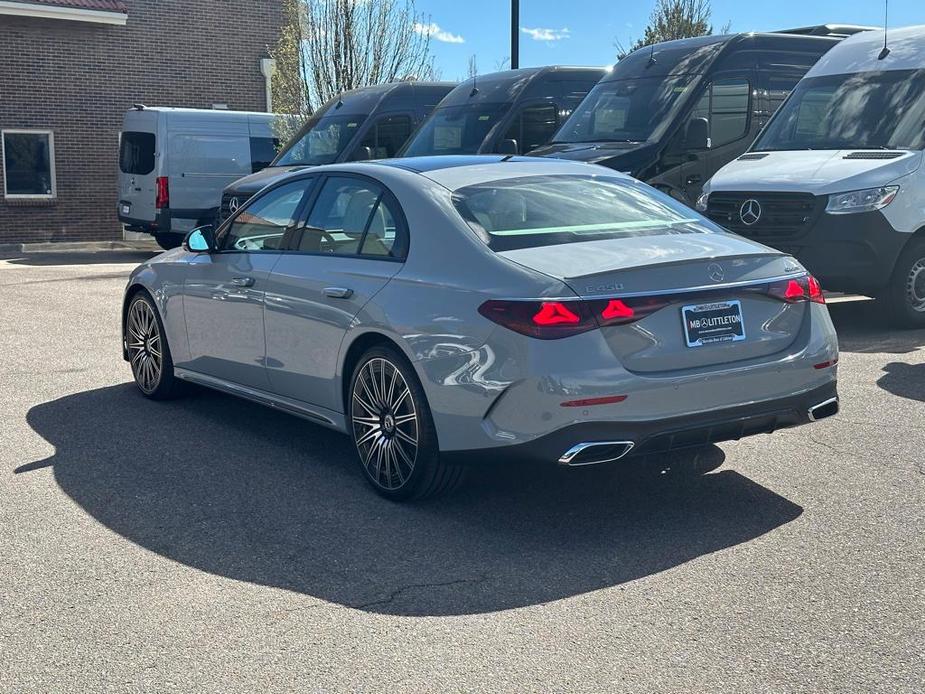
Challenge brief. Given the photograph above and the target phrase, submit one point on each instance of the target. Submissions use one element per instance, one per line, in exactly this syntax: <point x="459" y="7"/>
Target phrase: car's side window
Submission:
<point x="351" y="216"/>
<point x="262" y="224"/>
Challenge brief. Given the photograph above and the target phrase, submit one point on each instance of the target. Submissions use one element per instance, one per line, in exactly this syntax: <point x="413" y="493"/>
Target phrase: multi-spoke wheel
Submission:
<point x="906" y="295"/>
<point x="393" y="430"/>
<point x="147" y="349"/>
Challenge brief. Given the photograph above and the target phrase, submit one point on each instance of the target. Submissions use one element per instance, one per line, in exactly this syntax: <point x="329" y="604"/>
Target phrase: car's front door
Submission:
<point x="353" y="242"/>
<point x="223" y="294"/>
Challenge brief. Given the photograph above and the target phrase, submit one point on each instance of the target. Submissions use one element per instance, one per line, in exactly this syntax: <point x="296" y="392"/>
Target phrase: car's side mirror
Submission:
<point x="200" y="240"/>
<point x="698" y="134"/>
<point x="362" y="154"/>
<point x="508" y="147"/>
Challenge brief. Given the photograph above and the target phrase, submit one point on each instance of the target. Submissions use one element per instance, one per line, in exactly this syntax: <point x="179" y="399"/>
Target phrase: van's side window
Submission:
<point x="263" y="151"/>
<point x="262" y="224"/>
<point x="136" y="153"/>
<point x="779" y="86"/>
<point x="725" y="105"/>
<point x="386" y="136"/>
<point x="534" y="126"/>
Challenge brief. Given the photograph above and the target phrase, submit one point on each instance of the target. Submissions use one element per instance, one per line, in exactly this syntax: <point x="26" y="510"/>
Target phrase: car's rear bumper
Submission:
<point x="663" y="435"/>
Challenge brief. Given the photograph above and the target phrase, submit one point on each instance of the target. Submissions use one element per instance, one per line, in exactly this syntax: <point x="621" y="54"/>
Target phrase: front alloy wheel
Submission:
<point x="393" y="429"/>
<point x="906" y="293"/>
<point x="148" y="352"/>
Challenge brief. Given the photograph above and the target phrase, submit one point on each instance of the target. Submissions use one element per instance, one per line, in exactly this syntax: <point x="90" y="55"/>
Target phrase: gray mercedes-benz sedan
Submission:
<point x="444" y="309"/>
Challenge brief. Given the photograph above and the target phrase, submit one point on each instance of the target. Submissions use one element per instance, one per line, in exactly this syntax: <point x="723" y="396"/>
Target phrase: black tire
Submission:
<point x="168" y="240"/>
<point x="382" y="448"/>
<point x="905" y="296"/>
<point x="146" y="342"/>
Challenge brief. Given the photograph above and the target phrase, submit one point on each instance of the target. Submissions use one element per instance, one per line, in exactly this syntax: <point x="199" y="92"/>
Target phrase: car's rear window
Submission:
<point x="555" y="209"/>
<point x="136" y="153"/>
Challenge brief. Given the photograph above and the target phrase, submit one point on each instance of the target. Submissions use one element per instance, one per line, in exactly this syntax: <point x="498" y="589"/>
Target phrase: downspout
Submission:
<point x="268" y="69"/>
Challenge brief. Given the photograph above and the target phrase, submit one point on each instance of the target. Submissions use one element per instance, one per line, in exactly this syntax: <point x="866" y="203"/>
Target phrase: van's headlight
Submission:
<point x="701" y="204"/>
<point x="861" y="200"/>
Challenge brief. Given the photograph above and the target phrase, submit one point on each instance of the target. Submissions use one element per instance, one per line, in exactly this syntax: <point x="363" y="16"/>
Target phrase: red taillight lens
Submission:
<point x="546" y="320"/>
<point x="617" y="310"/>
<point x="555" y="313"/>
<point x="804" y="288"/>
<point x="162" y="196"/>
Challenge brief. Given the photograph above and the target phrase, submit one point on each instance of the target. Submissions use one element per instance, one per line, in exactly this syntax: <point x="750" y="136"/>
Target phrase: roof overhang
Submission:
<point x="28" y="9"/>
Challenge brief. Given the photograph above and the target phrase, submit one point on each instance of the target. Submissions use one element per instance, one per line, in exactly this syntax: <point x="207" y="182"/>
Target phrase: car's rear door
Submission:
<point x="223" y="293"/>
<point x="352" y="243"/>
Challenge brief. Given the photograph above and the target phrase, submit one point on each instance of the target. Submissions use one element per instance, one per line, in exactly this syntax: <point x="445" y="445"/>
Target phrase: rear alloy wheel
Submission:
<point x="906" y="295"/>
<point x="393" y="430"/>
<point x="148" y="352"/>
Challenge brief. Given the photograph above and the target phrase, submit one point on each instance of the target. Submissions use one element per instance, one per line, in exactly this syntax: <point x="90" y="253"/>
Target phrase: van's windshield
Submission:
<point x="456" y="129"/>
<point x="323" y="142"/>
<point x="629" y="110"/>
<point x="867" y="110"/>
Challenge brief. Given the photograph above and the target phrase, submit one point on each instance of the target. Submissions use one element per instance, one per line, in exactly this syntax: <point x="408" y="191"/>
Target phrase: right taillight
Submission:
<point x="162" y="193"/>
<point x="796" y="289"/>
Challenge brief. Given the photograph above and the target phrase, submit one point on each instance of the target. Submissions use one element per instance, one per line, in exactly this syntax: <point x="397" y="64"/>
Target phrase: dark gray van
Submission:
<point x="368" y="123"/>
<point x="510" y="112"/>
<point x="673" y="113"/>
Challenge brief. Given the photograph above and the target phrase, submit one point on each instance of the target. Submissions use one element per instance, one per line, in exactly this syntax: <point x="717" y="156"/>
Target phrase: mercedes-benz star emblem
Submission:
<point x="233" y="205"/>
<point x="750" y="212"/>
<point x="715" y="272"/>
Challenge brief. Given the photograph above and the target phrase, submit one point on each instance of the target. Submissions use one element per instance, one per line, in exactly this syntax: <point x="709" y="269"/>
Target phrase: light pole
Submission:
<point x="515" y="34"/>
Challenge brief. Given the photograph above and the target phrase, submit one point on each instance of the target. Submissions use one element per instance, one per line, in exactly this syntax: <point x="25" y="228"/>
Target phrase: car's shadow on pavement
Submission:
<point x="242" y="491"/>
<point x="904" y="380"/>
<point x="864" y="326"/>
<point x="54" y="258"/>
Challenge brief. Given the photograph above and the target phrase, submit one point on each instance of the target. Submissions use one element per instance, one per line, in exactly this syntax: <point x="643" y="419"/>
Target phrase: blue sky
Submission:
<point x="582" y="32"/>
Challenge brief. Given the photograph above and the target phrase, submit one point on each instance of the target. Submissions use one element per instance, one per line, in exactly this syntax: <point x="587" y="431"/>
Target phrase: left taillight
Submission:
<point x="796" y="289"/>
<point x="551" y="320"/>
<point x="162" y="193"/>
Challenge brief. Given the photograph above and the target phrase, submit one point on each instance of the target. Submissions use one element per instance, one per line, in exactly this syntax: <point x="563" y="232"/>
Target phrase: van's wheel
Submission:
<point x="905" y="296"/>
<point x="393" y="429"/>
<point x="148" y="351"/>
<point x="168" y="240"/>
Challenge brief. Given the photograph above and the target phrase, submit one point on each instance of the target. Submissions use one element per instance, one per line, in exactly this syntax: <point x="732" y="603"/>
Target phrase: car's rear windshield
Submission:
<point x="549" y="210"/>
<point x="136" y="153"/>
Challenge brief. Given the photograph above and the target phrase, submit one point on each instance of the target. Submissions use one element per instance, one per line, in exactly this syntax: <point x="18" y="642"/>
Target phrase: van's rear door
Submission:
<point x="138" y="148"/>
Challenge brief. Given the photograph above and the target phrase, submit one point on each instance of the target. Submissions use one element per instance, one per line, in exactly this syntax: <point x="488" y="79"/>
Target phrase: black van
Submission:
<point x="367" y="123"/>
<point x="511" y="112"/>
<point x="673" y="113"/>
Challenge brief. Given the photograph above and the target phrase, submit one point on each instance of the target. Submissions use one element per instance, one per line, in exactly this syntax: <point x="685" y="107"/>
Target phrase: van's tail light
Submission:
<point x="550" y="320"/>
<point x="803" y="288"/>
<point x="162" y="197"/>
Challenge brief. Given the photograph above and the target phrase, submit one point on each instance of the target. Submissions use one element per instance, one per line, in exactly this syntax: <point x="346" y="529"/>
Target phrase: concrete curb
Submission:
<point x="79" y="246"/>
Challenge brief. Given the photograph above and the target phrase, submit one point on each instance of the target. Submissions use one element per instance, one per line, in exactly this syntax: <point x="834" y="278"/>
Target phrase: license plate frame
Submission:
<point x="726" y="323"/>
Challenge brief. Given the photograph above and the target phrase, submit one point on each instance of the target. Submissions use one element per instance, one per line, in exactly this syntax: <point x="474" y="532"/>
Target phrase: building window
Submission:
<point x="28" y="164"/>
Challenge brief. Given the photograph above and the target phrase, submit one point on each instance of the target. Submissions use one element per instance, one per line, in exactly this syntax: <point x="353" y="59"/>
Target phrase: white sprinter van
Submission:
<point x="836" y="177"/>
<point x="174" y="163"/>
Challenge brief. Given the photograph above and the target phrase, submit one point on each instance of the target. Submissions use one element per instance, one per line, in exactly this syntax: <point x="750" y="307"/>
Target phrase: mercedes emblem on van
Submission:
<point x="750" y="212"/>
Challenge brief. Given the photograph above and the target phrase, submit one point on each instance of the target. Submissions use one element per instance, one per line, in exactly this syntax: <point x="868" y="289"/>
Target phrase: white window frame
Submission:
<point x="51" y="162"/>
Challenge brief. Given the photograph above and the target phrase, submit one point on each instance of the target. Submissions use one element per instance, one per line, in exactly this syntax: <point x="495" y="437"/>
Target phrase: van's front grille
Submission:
<point x="226" y="210"/>
<point x="765" y="216"/>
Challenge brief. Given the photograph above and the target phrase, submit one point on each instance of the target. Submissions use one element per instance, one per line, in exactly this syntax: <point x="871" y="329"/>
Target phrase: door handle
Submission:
<point x="338" y="292"/>
<point x="693" y="178"/>
<point x="242" y="281"/>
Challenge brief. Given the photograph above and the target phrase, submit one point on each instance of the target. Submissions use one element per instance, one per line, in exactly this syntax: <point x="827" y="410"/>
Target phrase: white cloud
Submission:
<point x="435" y="32"/>
<point x="542" y="34"/>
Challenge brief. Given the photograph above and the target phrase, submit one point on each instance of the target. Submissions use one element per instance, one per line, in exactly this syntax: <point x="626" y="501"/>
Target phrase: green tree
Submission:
<point x="673" y="19"/>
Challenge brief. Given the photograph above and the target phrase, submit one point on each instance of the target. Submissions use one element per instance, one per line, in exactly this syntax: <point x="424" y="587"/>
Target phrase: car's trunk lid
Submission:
<point x="689" y="269"/>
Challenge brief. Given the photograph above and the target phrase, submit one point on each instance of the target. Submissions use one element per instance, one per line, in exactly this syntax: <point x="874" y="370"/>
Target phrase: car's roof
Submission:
<point x="438" y="163"/>
<point x="862" y="53"/>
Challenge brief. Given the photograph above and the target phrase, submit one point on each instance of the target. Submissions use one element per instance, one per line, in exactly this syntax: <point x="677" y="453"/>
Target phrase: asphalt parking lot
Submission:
<point x="209" y="544"/>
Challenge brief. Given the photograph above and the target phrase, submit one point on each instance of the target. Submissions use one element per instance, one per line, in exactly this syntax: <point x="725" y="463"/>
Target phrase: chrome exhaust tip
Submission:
<point x="594" y="452"/>
<point x="824" y="409"/>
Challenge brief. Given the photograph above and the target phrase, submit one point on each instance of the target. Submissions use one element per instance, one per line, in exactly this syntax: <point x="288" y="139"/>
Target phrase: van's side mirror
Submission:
<point x="362" y="154"/>
<point x="508" y="147"/>
<point x="698" y="134"/>
<point x="200" y="240"/>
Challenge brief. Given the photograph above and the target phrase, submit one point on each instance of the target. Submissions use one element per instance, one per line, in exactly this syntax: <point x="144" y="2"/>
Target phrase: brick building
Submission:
<point x="70" y="68"/>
